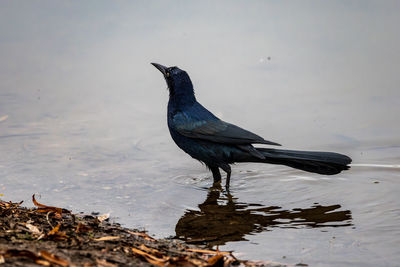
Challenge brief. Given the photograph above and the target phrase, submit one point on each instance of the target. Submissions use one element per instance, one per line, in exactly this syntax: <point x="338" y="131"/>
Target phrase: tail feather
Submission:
<point x="327" y="163"/>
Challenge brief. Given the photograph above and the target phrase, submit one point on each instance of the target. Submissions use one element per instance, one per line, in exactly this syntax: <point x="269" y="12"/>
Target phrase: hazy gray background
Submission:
<point x="83" y="113"/>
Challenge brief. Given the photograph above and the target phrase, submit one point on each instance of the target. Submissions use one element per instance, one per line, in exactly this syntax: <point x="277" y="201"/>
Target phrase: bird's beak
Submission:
<point x="161" y="68"/>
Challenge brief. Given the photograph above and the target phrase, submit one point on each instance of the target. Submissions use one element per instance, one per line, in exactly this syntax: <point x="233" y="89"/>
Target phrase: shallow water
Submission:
<point x="82" y="121"/>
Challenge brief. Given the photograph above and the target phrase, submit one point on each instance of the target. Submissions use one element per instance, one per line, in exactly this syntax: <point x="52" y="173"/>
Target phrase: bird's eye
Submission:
<point x="167" y="74"/>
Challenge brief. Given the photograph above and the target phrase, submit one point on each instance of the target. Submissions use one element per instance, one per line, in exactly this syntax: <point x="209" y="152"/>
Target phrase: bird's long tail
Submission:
<point x="328" y="163"/>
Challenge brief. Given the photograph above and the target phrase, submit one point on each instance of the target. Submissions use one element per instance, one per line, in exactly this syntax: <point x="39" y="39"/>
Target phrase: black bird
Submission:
<point x="217" y="143"/>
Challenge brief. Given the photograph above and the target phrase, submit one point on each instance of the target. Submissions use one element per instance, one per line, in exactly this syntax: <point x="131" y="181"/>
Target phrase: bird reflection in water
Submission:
<point x="222" y="219"/>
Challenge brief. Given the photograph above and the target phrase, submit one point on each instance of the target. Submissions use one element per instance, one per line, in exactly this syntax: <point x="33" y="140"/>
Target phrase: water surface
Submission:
<point x="83" y="120"/>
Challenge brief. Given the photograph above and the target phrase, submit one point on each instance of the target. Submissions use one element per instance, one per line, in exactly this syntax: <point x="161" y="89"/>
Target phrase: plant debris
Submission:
<point x="52" y="236"/>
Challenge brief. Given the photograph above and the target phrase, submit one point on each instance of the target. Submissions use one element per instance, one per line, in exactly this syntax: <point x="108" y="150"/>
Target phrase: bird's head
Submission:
<point x="179" y="84"/>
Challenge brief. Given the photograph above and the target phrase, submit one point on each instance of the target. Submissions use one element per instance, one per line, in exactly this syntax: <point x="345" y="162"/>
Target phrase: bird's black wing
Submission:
<point x="217" y="131"/>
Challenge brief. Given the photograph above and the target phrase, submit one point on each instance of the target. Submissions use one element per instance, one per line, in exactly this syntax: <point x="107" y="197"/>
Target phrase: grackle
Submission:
<point x="217" y="143"/>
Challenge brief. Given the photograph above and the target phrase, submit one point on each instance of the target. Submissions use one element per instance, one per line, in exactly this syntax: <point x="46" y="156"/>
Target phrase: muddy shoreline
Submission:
<point x="52" y="236"/>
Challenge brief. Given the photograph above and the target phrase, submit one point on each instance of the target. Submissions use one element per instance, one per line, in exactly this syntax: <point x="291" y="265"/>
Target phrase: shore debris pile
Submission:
<point x="52" y="236"/>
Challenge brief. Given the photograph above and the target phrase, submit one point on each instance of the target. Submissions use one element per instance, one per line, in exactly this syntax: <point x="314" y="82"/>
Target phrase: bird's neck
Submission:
<point x="181" y="102"/>
<point x="182" y="94"/>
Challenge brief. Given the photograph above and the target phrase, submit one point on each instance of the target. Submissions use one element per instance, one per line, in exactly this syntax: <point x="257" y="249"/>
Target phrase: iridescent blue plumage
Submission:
<point x="216" y="143"/>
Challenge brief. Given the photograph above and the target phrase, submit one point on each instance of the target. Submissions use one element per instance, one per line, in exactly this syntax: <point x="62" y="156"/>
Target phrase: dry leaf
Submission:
<point x="106" y="238"/>
<point x="151" y="250"/>
<point x="150" y="257"/>
<point x="33" y="229"/>
<point x="10" y="253"/>
<point x="195" y="262"/>
<point x="103" y="217"/>
<point x="144" y="235"/>
<point x="207" y="251"/>
<point x="155" y="262"/>
<point x="105" y="263"/>
<point x="43" y="262"/>
<point x="53" y="258"/>
<point x="55" y="229"/>
<point x="56" y="234"/>
<point x="45" y="208"/>
<point x="10" y="205"/>
<point x="215" y="260"/>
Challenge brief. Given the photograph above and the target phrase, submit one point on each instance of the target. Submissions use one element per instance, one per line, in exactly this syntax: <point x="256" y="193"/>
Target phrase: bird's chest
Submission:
<point x="182" y="141"/>
<point x="187" y="144"/>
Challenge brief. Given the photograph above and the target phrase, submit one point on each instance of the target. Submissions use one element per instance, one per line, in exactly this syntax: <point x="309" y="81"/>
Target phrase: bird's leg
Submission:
<point x="216" y="174"/>
<point x="228" y="171"/>
<point x="228" y="179"/>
